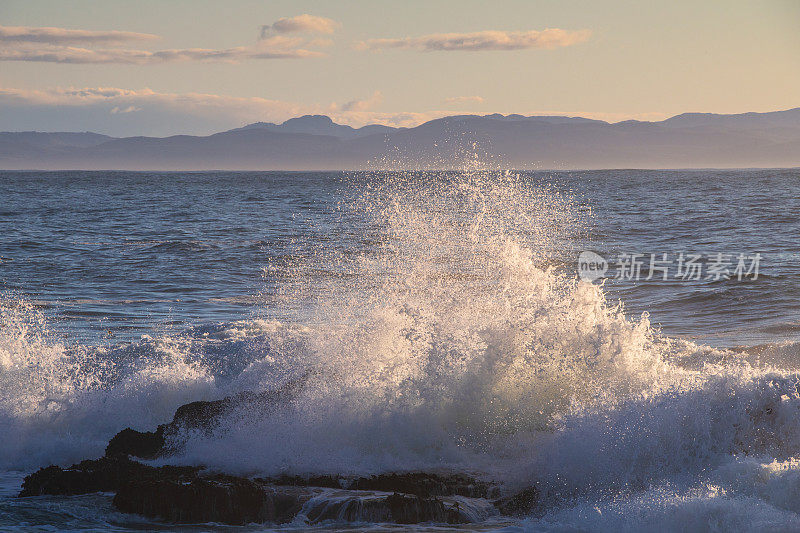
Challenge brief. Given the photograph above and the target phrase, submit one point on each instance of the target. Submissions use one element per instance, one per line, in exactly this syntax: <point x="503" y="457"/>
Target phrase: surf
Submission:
<point x="457" y="341"/>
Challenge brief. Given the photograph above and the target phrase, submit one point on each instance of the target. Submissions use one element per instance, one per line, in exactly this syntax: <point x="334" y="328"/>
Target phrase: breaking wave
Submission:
<point x="454" y="341"/>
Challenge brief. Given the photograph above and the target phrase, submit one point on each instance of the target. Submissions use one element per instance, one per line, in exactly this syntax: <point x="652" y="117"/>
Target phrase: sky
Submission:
<point x="149" y="67"/>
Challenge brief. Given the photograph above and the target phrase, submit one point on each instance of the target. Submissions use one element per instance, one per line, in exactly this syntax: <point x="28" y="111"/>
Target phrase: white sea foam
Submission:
<point x="60" y="404"/>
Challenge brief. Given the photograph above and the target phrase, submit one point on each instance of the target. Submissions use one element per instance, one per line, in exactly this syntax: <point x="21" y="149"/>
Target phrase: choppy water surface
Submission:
<point x="442" y="324"/>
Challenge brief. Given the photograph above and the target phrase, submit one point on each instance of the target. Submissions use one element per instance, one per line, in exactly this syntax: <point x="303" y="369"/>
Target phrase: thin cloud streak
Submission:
<point x="275" y="47"/>
<point x="143" y="57"/>
<point x="60" y="45"/>
<point x="464" y="100"/>
<point x="547" y="39"/>
<point x="365" y="104"/>
<point x="63" y="36"/>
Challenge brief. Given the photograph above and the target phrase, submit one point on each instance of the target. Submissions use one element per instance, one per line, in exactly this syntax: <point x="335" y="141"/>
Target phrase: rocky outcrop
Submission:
<point x="396" y="508"/>
<point x="238" y="501"/>
<point x="187" y="495"/>
<point x="222" y="499"/>
<point x="107" y="474"/>
<point x="422" y="484"/>
<point x="147" y="444"/>
<point x="182" y="494"/>
<point x="202" y="416"/>
<point x="426" y="485"/>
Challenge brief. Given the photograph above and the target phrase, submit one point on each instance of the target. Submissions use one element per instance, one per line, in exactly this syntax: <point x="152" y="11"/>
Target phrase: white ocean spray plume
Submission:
<point x="455" y="342"/>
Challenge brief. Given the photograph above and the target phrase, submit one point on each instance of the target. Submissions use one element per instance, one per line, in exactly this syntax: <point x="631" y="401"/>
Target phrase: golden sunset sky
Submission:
<point x="153" y="67"/>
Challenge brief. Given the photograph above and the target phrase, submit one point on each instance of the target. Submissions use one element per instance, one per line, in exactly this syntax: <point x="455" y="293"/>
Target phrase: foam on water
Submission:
<point x="59" y="404"/>
<point x="454" y="344"/>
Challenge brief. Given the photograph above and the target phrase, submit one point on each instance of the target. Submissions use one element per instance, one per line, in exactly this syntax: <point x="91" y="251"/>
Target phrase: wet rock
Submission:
<point x="205" y="415"/>
<point x="352" y="506"/>
<point x="237" y="501"/>
<point x="223" y="499"/>
<point x="422" y="484"/>
<point x="331" y="482"/>
<point x="522" y="503"/>
<point x="147" y="444"/>
<point x="185" y="495"/>
<point x="101" y="475"/>
<point x="408" y="509"/>
<point x="202" y="416"/>
<point x="425" y="485"/>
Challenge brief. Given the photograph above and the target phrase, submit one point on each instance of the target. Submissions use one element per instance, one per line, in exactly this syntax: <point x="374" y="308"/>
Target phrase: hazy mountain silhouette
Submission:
<point x="314" y="142"/>
<point x="317" y="125"/>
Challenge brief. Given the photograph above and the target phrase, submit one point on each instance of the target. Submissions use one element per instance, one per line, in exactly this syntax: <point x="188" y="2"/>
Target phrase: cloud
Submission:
<point x="63" y="36"/>
<point x="56" y="51"/>
<point x="301" y="23"/>
<point x="143" y="57"/>
<point x="464" y="100"/>
<point x="482" y="41"/>
<point x="122" y="99"/>
<point x="144" y="111"/>
<point x="130" y="109"/>
<point x="363" y="105"/>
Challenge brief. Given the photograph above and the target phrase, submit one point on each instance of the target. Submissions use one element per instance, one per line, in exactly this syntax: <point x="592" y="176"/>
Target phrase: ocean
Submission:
<point x="611" y="337"/>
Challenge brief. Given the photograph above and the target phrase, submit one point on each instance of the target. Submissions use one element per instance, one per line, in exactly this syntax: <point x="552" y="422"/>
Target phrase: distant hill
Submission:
<point x="315" y="142"/>
<point x="318" y="125"/>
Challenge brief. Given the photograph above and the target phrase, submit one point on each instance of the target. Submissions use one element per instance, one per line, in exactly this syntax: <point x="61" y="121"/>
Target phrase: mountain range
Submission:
<point x="315" y="142"/>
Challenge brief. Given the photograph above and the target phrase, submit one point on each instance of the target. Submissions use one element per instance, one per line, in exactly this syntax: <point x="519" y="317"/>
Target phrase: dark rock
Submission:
<point x="425" y="485"/>
<point x="237" y="501"/>
<point x="353" y="509"/>
<point x="356" y="506"/>
<point x="146" y="445"/>
<point x="101" y="475"/>
<point x="202" y="416"/>
<point x="524" y="502"/>
<point x="184" y="495"/>
<point x="407" y="509"/>
<point x="330" y="482"/>
<point x="206" y="415"/>
<point x="223" y="499"/>
<point x="422" y="484"/>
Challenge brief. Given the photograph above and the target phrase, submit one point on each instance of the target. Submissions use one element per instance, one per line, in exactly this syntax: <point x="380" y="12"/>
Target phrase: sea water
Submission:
<point x="438" y="322"/>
